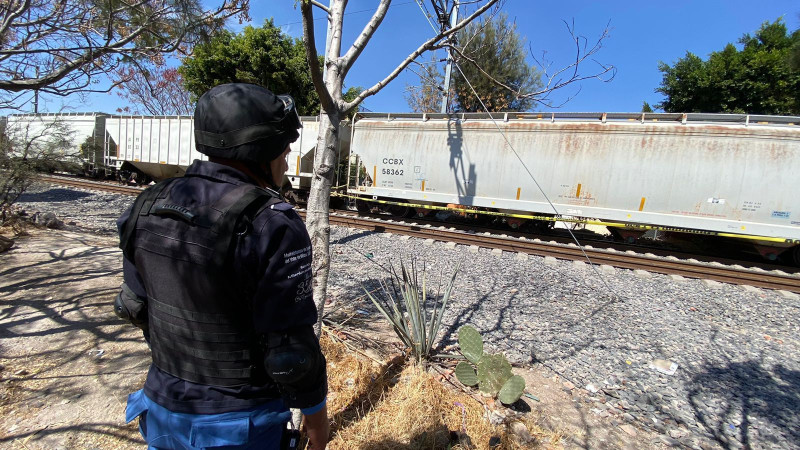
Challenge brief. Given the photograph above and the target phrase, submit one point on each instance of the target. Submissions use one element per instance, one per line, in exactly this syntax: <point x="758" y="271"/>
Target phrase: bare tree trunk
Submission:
<point x="318" y="207"/>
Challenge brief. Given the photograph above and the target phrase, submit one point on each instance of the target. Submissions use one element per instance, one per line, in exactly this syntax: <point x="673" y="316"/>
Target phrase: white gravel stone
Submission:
<point x="497" y="252"/>
<point x="752" y="289"/>
<point x="473" y="248"/>
<point x="675" y="277"/>
<point x="429" y="241"/>
<point x="642" y="273"/>
<point x="521" y="256"/>
<point x="549" y="260"/>
<point x="579" y="264"/>
<point x="450" y="245"/>
<point x="605" y="268"/>
<point x="712" y="283"/>
<point x="405" y="237"/>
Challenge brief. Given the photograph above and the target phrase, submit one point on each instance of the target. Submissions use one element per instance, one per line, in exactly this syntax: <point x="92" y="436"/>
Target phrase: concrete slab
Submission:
<point x="605" y="268"/>
<point x="789" y="295"/>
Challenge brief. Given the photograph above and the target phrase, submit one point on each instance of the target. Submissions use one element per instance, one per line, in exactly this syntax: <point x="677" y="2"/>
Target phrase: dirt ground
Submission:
<point x="67" y="363"/>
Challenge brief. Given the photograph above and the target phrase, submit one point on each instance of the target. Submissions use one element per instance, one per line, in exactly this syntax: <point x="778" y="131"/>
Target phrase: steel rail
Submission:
<point x="94" y="185"/>
<point x="688" y="269"/>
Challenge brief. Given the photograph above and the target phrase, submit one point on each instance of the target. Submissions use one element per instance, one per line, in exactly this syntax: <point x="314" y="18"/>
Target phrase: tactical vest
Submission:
<point x="200" y="321"/>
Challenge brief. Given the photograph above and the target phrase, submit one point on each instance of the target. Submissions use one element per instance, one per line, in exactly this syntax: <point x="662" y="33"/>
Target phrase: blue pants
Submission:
<point x="256" y="428"/>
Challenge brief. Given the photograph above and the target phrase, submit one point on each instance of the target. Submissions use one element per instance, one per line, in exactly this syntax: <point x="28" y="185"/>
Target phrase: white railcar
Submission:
<point x="158" y="146"/>
<point x="38" y="130"/>
<point x="728" y="175"/>
<point x="163" y="146"/>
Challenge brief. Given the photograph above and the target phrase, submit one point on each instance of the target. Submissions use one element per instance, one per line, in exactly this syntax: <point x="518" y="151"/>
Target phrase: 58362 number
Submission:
<point x="392" y="171"/>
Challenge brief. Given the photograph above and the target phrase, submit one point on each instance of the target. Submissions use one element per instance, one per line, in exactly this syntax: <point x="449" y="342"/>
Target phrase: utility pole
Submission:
<point x="453" y="16"/>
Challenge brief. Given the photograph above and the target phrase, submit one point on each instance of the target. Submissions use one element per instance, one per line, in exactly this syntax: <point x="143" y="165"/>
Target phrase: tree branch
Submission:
<point x="430" y="44"/>
<point x="70" y="43"/>
<point x="355" y="50"/>
<point x="335" y="30"/>
<point x="556" y="80"/>
<point x="311" y="55"/>
<point x="321" y="6"/>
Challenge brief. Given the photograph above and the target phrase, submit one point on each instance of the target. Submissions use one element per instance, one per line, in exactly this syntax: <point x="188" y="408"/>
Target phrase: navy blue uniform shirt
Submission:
<point x="275" y="258"/>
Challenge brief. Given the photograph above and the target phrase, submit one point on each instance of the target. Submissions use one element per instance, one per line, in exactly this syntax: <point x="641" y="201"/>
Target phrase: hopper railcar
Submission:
<point x="725" y="175"/>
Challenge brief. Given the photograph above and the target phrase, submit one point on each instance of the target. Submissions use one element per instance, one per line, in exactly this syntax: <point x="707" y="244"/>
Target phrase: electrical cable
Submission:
<point x="524" y="166"/>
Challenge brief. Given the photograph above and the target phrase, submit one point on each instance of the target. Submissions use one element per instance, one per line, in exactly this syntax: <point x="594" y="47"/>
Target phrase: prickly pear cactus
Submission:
<point x="512" y="390"/>
<point x="471" y="343"/>
<point x="493" y="372"/>
<point x="466" y="374"/>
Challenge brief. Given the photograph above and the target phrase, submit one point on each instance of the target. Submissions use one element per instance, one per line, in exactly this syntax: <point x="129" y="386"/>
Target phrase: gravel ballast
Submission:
<point x="706" y="365"/>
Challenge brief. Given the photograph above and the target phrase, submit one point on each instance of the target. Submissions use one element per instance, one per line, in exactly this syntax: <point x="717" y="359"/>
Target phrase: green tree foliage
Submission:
<point x="646" y="108"/>
<point x="758" y="79"/>
<point x="264" y="56"/>
<point x="493" y="48"/>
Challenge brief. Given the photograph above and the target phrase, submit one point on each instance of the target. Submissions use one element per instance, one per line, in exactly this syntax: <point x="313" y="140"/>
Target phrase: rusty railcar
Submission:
<point x="716" y="174"/>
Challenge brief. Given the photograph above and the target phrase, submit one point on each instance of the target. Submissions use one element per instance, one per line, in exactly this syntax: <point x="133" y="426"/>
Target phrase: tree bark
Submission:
<point x="317" y="220"/>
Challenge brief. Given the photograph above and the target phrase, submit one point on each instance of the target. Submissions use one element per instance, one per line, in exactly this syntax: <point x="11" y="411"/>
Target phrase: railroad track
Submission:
<point x="93" y="185"/>
<point x="690" y="269"/>
<point x="774" y="279"/>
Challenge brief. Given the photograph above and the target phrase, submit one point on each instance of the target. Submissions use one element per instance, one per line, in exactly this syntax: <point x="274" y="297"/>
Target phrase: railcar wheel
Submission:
<point x="398" y="210"/>
<point x="363" y="207"/>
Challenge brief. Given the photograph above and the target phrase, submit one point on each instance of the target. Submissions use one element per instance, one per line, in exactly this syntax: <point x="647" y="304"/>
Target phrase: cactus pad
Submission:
<point x="493" y="372"/>
<point x="466" y="374"/>
<point x="512" y="390"/>
<point x="471" y="343"/>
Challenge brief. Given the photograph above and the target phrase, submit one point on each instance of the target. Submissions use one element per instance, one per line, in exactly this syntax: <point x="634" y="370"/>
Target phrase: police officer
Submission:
<point x="217" y="274"/>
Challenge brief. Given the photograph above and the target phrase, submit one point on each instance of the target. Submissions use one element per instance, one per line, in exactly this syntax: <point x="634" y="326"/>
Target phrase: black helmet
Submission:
<point x="244" y="122"/>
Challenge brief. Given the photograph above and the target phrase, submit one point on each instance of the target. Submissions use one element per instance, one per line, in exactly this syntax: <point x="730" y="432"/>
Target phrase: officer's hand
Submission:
<point x="317" y="428"/>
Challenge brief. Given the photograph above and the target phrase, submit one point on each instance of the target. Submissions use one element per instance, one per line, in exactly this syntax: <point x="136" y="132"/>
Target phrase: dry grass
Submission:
<point x="401" y="406"/>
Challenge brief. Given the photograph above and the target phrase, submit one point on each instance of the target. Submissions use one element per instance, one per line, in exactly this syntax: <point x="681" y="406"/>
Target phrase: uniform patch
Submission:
<point x="282" y="206"/>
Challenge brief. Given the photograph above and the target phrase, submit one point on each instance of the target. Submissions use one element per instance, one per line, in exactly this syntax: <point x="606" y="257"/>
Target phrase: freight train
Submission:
<point x="723" y="175"/>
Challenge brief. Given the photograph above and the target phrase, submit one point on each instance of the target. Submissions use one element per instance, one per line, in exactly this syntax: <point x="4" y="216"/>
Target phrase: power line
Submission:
<point x="346" y="14"/>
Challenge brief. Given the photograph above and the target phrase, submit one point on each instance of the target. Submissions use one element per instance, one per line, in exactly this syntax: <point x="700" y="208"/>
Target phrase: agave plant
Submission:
<point x="404" y="303"/>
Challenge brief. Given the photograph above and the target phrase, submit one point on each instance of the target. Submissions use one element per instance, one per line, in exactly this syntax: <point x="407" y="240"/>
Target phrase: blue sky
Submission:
<point x="642" y="34"/>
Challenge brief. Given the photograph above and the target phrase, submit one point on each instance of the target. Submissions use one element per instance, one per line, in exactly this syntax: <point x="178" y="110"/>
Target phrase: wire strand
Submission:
<point x="538" y="186"/>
